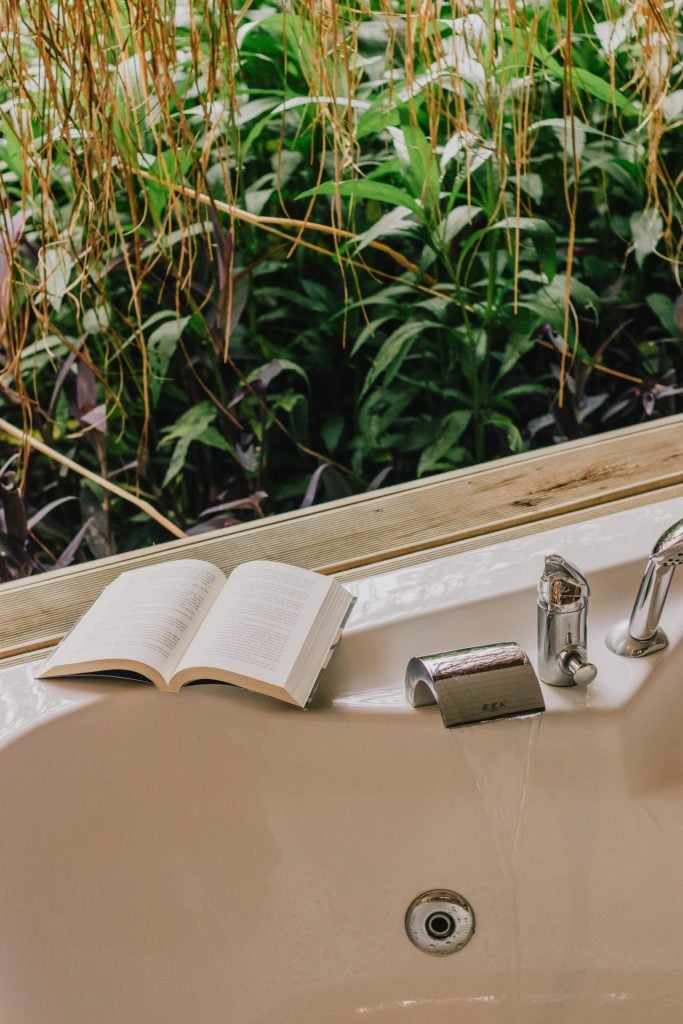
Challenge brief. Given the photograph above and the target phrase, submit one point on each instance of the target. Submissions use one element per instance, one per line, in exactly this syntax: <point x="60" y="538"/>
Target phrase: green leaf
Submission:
<point x="377" y="118"/>
<point x="368" y="332"/>
<point x="519" y="341"/>
<point x="192" y="422"/>
<point x="424" y="170"/>
<point x="297" y="407"/>
<point x="530" y="183"/>
<point x="194" y="425"/>
<point x="177" y="460"/>
<point x="394" y="350"/>
<point x="377" y="414"/>
<point x="45" y="350"/>
<point x="548" y="302"/>
<point x="451" y="429"/>
<point x="169" y="168"/>
<point x="663" y="309"/>
<point x="55" y="266"/>
<point x="504" y="423"/>
<point x="332" y="431"/>
<point x="647" y="227"/>
<point x="394" y="222"/>
<point x="582" y="294"/>
<point x="211" y="437"/>
<point x="161" y="346"/>
<point x="364" y="189"/>
<point x="598" y="87"/>
<point x="602" y="90"/>
<point x="278" y="366"/>
<point x="165" y="242"/>
<point x="13" y="151"/>
<point x="522" y="389"/>
<point x="542" y="235"/>
<point x="385" y="112"/>
<point x="454" y="222"/>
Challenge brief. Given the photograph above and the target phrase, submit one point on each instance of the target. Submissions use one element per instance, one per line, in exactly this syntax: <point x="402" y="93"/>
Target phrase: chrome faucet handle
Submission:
<point x="563" y="594"/>
<point x="561" y="584"/>
<point x="575" y="663"/>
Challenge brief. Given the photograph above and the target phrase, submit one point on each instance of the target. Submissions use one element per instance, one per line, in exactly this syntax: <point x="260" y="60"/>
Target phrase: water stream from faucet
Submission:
<point x="500" y="757"/>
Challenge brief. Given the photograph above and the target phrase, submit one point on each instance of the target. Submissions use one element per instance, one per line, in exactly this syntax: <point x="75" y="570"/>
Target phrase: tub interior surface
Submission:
<point x="272" y="872"/>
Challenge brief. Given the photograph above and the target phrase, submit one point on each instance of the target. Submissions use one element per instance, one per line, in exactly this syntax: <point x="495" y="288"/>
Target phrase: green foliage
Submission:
<point x="257" y="255"/>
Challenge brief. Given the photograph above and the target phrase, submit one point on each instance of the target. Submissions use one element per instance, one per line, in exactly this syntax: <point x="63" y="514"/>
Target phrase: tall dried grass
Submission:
<point x="122" y="121"/>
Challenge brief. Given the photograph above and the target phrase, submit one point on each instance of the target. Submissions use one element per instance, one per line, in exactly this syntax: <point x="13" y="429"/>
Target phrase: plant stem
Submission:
<point x="45" y="449"/>
<point x="484" y="373"/>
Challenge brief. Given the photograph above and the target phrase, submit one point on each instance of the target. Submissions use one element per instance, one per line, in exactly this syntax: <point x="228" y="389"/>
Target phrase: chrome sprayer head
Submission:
<point x="669" y="548"/>
<point x="642" y="634"/>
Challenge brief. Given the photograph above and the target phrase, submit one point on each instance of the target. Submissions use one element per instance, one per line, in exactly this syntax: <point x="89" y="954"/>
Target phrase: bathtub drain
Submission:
<point x="440" y="922"/>
<point x="440" y="925"/>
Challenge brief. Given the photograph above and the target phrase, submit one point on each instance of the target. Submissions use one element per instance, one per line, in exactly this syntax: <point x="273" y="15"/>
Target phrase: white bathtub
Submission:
<point x="217" y="858"/>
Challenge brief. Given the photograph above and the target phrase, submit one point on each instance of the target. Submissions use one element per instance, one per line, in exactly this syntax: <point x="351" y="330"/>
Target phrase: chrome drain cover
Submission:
<point x="440" y="922"/>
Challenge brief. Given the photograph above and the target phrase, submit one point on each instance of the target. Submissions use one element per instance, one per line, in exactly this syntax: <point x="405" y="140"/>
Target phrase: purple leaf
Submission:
<point x="46" y="509"/>
<point x="539" y="423"/>
<point x="240" y="293"/>
<point x="569" y="381"/>
<point x="309" y="496"/>
<point x="378" y="480"/>
<point x="216" y="523"/>
<point x="237" y="397"/>
<point x="96" y="418"/>
<point x="225" y="251"/>
<point x="15" y="561"/>
<point x="678" y="312"/>
<point x="253" y="501"/>
<point x="69" y="552"/>
<point x="15" y="513"/>
<point x="267" y="374"/>
<point x="233" y="290"/>
<point x="86" y="389"/>
<point x="622" y="403"/>
<point x="5" y="468"/>
<point x="554" y="337"/>
<point x="245" y="453"/>
<point x="336" y="485"/>
<point x="63" y="373"/>
<point x="97" y="535"/>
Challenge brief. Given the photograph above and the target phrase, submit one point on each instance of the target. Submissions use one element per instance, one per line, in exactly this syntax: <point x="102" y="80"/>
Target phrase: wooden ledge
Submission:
<point x="393" y="526"/>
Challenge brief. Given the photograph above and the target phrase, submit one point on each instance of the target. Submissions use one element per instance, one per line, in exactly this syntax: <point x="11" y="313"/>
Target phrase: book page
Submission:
<point x="260" y="621"/>
<point x="147" y="615"/>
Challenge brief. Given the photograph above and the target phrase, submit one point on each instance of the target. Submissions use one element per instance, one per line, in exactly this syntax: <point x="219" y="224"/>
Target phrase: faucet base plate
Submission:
<point x="620" y="641"/>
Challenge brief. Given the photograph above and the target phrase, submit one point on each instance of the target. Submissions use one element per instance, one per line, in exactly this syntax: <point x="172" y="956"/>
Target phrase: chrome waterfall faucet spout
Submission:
<point x="475" y="684"/>
<point x="563" y="594"/>
<point x="642" y="634"/>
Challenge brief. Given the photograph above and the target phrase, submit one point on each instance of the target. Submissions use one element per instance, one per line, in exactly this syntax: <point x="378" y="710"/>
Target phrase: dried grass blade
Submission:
<point x="26" y="439"/>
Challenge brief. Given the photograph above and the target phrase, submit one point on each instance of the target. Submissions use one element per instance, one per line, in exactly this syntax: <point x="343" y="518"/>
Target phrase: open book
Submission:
<point x="269" y="627"/>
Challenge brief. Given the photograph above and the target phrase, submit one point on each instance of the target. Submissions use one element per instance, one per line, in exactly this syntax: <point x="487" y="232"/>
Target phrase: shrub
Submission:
<point x="254" y="256"/>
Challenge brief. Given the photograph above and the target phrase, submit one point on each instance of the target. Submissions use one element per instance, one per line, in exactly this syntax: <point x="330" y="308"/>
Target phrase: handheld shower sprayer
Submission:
<point x="642" y="634"/>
